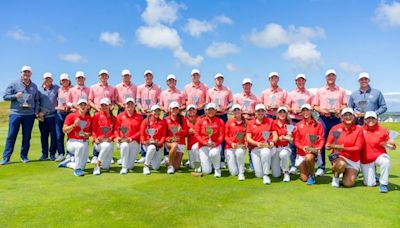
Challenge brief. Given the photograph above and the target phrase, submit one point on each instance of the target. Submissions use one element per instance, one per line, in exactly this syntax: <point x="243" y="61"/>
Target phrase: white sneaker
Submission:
<point x="335" y="182"/>
<point x="59" y="158"/>
<point x="96" y="171"/>
<point x="165" y="160"/>
<point x="319" y="172"/>
<point x="141" y="160"/>
<point x="241" y="177"/>
<point x="94" y="160"/>
<point x="119" y="162"/>
<point x="222" y="165"/>
<point x="146" y="170"/>
<point x="187" y="164"/>
<point x="198" y="170"/>
<point x="217" y="173"/>
<point x="286" y="177"/>
<point x="266" y="179"/>
<point x="293" y="170"/>
<point x="112" y="161"/>
<point x="124" y="171"/>
<point x="170" y="169"/>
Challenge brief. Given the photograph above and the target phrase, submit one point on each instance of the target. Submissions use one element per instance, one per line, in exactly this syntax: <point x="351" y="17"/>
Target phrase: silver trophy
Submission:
<point x="123" y="131"/>
<point x="25" y="98"/>
<point x="265" y="135"/>
<point x="246" y="104"/>
<point x="363" y="105"/>
<point x="61" y="101"/>
<point x="147" y="102"/>
<point x="300" y="102"/>
<point x="272" y="100"/>
<point x="209" y="132"/>
<point x="127" y="95"/>
<point x="174" y="130"/>
<point x="290" y="129"/>
<point x="104" y="130"/>
<point x="82" y="124"/>
<point x="44" y="112"/>
<point x="392" y="135"/>
<point x="217" y="102"/>
<point x="313" y="139"/>
<point x="336" y="135"/>
<point x="151" y="132"/>
<point x="195" y="100"/>
<point x="332" y="102"/>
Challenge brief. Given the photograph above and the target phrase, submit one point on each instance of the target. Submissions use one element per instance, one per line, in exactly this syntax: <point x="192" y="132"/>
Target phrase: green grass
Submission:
<point x="39" y="194"/>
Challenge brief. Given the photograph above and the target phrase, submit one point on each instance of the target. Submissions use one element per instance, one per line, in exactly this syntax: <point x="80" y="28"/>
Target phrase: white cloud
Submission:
<point x="61" y="38"/>
<point x="195" y="27"/>
<point x="222" y="19"/>
<point x="349" y="68"/>
<point x="230" y="67"/>
<point x="18" y="34"/>
<point x="73" y="58"/>
<point x="220" y="49"/>
<point x="158" y="36"/>
<point x="272" y="35"/>
<point x="186" y="59"/>
<point x="112" y="38"/>
<point x="304" y="54"/>
<point x="159" y="11"/>
<point x="388" y="15"/>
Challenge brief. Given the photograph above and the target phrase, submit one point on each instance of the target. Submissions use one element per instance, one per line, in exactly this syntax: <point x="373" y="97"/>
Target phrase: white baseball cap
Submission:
<point x="79" y="74"/>
<point x="28" y="68"/>
<point x="173" y="104"/>
<point x="370" y="114"/>
<point x="236" y="106"/>
<point x="259" y="107"/>
<point x="307" y="106"/>
<point x="105" y="100"/>
<point x="103" y="71"/>
<point x="82" y="100"/>
<point x="64" y="76"/>
<point x="217" y="75"/>
<point x="303" y="76"/>
<point x="147" y="72"/>
<point x="211" y="105"/>
<point x="125" y="72"/>
<point x="282" y="108"/>
<point x="246" y="80"/>
<point x="155" y="107"/>
<point x="47" y="75"/>
<point x="363" y="75"/>
<point x="190" y="107"/>
<point x="195" y="71"/>
<point x="171" y="76"/>
<point x="347" y="110"/>
<point x="273" y="74"/>
<point x="330" y="71"/>
<point x="129" y="99"/>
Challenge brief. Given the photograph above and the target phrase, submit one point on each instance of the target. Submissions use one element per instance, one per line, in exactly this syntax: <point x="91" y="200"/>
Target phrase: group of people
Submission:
<point x="282" y="131"/>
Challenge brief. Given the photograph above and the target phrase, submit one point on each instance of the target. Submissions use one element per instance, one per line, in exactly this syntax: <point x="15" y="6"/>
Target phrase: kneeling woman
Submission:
<point x="209" y="132"/>
<point x="177" y="130"/>
<point x="192" y="144"/>
<point x="308" y="137"/>
<point x="78" y="127"/>
<point x="346" y="141"/>
<point x="152" y="136"/>
<point x="261" y="138"/>
<point x="374" y="152"/>
<point x="235" y="142"/>
<point x="127" y="136"/>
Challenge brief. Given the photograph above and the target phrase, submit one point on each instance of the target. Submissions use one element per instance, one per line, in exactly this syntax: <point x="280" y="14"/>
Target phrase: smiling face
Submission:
<point x="306" y="113"/>
<point x="348" y="118"/>
<point x="364" y="82"/>
<point x="64" y="83"/>
<point x="126" y="78"/>
<point x="130" y="106"/>
<point x="174" y="111"/>
<point x="211" y="112"/>
<point x="371" y="121"/>
<point x="82" y="107"/>
<point x="80" y="80"/>
<point x="219" y="81"/>
<point x="192" y="112"/>
<point x="196" y="78"/>
<point x="300" y="83"/>
<point x="282" y="115"/>
<point x="247" y="87"/>
<point x="273" y="81"/>
<point x="260" y="113"/>
<point x="48" y="82"/>
<point x="331" y="79"/>
<point x="237" y="113"/>
<point x="156" y="113"/>
<point x="148" y="79"/>
<point x="171" y="83"/>
<point x="103" y="78"/>
<point x="26" y="75"/>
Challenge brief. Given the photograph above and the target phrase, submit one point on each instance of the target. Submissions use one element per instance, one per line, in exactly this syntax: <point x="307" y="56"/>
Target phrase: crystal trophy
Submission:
<point x="174" y="130"/>
<point x="332" y="102"/>
<point x="363" y="105"/>
<point x="265" y="135"/>
<point x="123" y="131"/>
<point x="195" y="100"/>
<point x="300" y="102"/>
<point x="151" y="132"/>
<point x="104" y="130"/>
<point x="336" y="135"/>
<point x="44" y="111"/>
<point x="25" y="98"/>
<point x="392" y="135"/>
<point x="289" y="129"/>
<point x="82" y="124"/>
<point x="209" y="132"/>
<point x="246" y="104"/>
<point x="272" y="99"/>
<point x="61" y="101"/>
<point x="147" y="102"/>
<point x="313" y="139"/>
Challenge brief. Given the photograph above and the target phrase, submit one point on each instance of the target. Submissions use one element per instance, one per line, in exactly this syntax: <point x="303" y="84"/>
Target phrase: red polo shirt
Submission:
<point x="132" y="122"/>
<point x="70" y="119"/>
<point x="255" y="129"/>
<point x="191" y="137"/>
<point x="216" y="124"/>
<point x="159" y="125"/>
<point x="281" y="131"/>
<point x="301" y="135"/>
<point x="99" y="120"/>
<point x="183" y="131"/>
<point x="373" y="147"/>
<point x="232" y="127"/>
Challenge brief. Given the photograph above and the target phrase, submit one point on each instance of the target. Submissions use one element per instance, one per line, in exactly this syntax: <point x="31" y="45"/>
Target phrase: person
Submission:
<point x="274" y="96"/>
<point x="124" y="90"/>
<point x="346" y="142"/>
<point x="177" y="130"/>
<point x="222" y="97"/>
<point x="247" y="100"/>
<point x="281" y="153"/>
<point x="196" y="92"/>
<point x="78" y="127"/>
<point x="328" y="102"/>
<point x="209" y="132"/>
<point x="98" y="91"/>
<point x="79" y="91"/>
<point x="24" y="107"/>
<point x="148" y="94"/>
<point x="128" y="142"/>
<point x="261" y="137"/>
<point x="308" y="137"/>
<point x="63" y="109"/>
<point x="296" y="98"/>
<point x="192" y="143"/>
<point x="235" y="142"/>
<point x="152" y="136"/>
<point x="47" y="118"/>
<point x="374" y="152"/>
<point x="366" y="99"/>
<point x="103" y="123"/>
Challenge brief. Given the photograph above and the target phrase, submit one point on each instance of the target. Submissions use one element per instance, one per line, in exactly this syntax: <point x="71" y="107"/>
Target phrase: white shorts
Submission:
<point x="351" y="164"/>
<point x="180" y="148"/>
<point x="299" y="160"/>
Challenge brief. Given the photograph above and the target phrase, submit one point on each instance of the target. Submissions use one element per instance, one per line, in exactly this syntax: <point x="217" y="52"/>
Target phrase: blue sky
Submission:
<point x="237" y="38"/>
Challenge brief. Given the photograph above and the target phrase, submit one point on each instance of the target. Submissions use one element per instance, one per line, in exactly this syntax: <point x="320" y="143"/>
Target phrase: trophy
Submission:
<point x="174" y="130"/>
<point x="126" y="96"/>
<point x="209" y="132"/>
<point x="217" y="102"/>
<point x="44" y="111"/>
<point x="363" y="105"/>
<point x="246" y="104"/>
<point x="147" y="102"/>
<point x="61" y="101"/>
<point x="315" y="115"/>
<point x="195" y="100"/>
<point x="336" y="135"/>
<point x="265" y="135"/>
<point x="25" y="98"/>
<point x="82" y="125"/>
<point x="151" y="132"/>
<point x="313" y="138"/>
<point x="332" y="102"/>
<point x="300" y="102"/>
<point x="104" y="130"/>
<point x="123" y="131"/>
<point x="289" y="129"/>
<point x="239" y="137"/>
<point x="272" y="99"/>
<point x="392" y="135"/>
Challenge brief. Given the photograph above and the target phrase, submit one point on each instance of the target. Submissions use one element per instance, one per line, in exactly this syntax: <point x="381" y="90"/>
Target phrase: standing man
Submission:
<point x="222" y="97"/>
<point x="148" y="94"/>
<point x="125" y="90"/>
<point x="79" y="91"/>
<point x="195" y="92"/>
<point x="329" y="102"/>
<point x="247" y="100"/>
<point x="24" y="107"/>
<point x="273" y="97"/>
<point x="366" y="99"/>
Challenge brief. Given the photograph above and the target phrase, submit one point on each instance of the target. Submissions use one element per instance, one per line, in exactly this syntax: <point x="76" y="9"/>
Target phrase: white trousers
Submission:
<point x="210" y="156"/>
<point x="383" y="161"/>
<point x="194" y="155"/>
<point x="235" y="159"/>
<point x="153" y="156"/>
<point x="261" y="158"/>
<point x="129" y="152"/>
<point x="106" y="150"/>
<point x="280" y="160"/>
<point x="80" y="149"/>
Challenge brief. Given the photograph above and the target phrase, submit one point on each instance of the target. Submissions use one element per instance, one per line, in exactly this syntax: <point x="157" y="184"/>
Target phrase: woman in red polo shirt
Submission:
<point x="127" y="136"/>
<point x="177" y="130"/>
<point x="192" y="145"/>
<point x="261" y="138"/>
<point x="346" y="141"/>
<point x="374" y="152"/>
<point x="308" y="137"/>
<point x="209" y="132"/>
<point x="235" y="142"/>
<point x="152" y="135"/>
